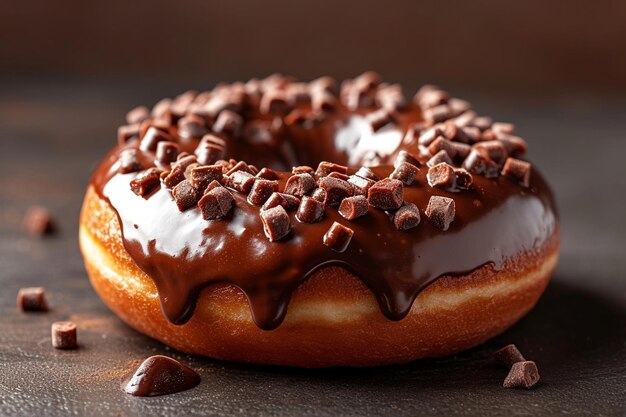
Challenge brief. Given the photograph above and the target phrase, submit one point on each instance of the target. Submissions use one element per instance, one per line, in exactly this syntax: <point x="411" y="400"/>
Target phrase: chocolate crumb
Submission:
<point x="64" y="335"/>
<point x="353" y="207"/>
<point x="261" y="190"/>
<point x="518" y="170"/>
<point x="32" y="299"/>
<point x="338" y="237"/>
<point x="276" y="223"/>
<point x="300" y="184"/>
<point x="185" y="195"/>
<point x="38" y="221"/>
<point x="407" y="217"/>
<point x="441" y="175"/>
<point x="508" y="356"/>
<point x="310" y="210"/>
<point x="216" y="202"/>
<point x="405" y="172"/>
<point x="440" y="212"/>
<point x="386" y="194"/>
<point x="522" y="375"/>
<point x="146" y="181"/>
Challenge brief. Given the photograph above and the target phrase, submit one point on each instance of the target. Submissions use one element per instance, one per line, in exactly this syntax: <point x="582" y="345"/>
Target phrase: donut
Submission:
<point x="317" y="224"/>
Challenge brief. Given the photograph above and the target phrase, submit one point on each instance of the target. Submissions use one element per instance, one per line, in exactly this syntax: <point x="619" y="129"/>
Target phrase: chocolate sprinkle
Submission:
<point x="407" y="217"/>
<point x="440" y="212"/>
<point x="338" y="237"/>
<point x="353" y="207"/>
<point x="310" y="210"/>
<point x="216" y="203"/>
<point x="386" y="194"/>
<point x="276" y="223"/>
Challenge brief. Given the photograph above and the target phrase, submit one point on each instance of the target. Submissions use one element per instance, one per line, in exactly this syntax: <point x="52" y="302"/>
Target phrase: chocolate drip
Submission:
<point x="496" y="219"/>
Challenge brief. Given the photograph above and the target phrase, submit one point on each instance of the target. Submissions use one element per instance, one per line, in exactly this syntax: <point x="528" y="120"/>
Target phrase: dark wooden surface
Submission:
<point x="51" y="135"/>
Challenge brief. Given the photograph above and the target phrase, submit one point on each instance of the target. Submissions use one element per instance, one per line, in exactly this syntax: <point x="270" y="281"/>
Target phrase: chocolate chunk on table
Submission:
<point x="32" y="299"/>
<point x="64" y="335"/>
<point x="508" y="355"/>
<point x="38" y="221"/>
<point x="160" y="375"/>
<point x="522" y="375"/>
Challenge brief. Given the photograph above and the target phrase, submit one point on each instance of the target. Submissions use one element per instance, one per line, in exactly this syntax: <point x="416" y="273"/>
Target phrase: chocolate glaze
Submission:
<point x="496" y="219"/>
<point x="160" y="375"/>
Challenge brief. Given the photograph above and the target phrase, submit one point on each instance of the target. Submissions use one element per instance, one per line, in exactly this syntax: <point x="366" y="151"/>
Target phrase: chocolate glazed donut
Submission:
<point x="421" y="231"/>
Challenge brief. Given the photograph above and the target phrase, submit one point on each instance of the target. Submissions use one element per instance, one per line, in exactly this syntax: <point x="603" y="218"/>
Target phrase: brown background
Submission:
<point x="483" y="43"/>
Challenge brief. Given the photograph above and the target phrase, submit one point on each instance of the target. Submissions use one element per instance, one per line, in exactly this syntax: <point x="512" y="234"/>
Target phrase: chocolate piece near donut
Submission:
<point x="508" y="356"/>
<point x="522" y="375"/>
<point x="32" y="299"/>
<point x="64" y="335"/>
<point x="160" y="375"/>
<point x="262" y="292"/>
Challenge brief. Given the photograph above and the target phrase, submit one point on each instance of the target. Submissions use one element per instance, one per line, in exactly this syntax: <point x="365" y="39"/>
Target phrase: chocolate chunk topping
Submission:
<point x="325" y="83"/>
<point x="288" y="201"/>
<point x="479" y="164"/>
<point x="38" y="221"/>
<point x="152" y="137"/>
<point x="186" y="195"/>
<point x="216" y="203"/>
<point x="353" y="207"/>
<point x="514" y="145"/>
<point x="437" y="114"/>
<point x="483" y="123"/>
<point x="503" y="128"/>
<point x="492" y="149"/>
<point x="386" y="194"/>
<point x="32" y="299"/>
<point x="336" y="190"/>
<point x="338" y="237"/>
<point x="508" y="356"/>
<point x="405" y="172"/>
<point x="430" y="96"/>
<point x="64" y="335"/>
<point x="442" y="144"/>
<point x="522" y="375"/>
<point x="127" y="133"/>
<point x="146" y="181"/>
<point x="129" y="162"/>
<point x="166" y="152"/>
<point x="319" y="194"/>
<point x="323" y="101"/>
<point x="192" y="127"/>
<point x="440" y="212"/>
<point x="241" y="181"/>
<point x="463" y="178"/>
<point x="175" y="176"/>
<point x="300" y="184"/>
<point x="404" y="156"/>
<point x="137" y="115"/>
<point x="209" y="153"/>
<point x="460" y="150"/>
<point x="303" y="169"/>
<point x="239" y="166"/>
<point x="203" y="175"/>
<point x="360" y="184"/>
<point x="262" y="190"/>
<point x="365" y="172"/>
<point x="325" y="168"/>
<point x="275" y="102"/>
<point x="310" y="210"/>
<point x="518" y="170"/>
<point x="160" y="375"/>
<point x="407" y="217"/>
<point x="228" y="123"/>
<point x="441" y="175"/>
<point x="379" y="119"/>
<point x="267" y="173"/>
<point x="276" y="223"/>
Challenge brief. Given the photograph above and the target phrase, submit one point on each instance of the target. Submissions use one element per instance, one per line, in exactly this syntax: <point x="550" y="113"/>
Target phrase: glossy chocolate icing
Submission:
<point x="496" y="219"/>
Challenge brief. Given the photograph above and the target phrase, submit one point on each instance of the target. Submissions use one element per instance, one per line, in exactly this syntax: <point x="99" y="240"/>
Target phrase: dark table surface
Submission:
<point x="52" y="133"/>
